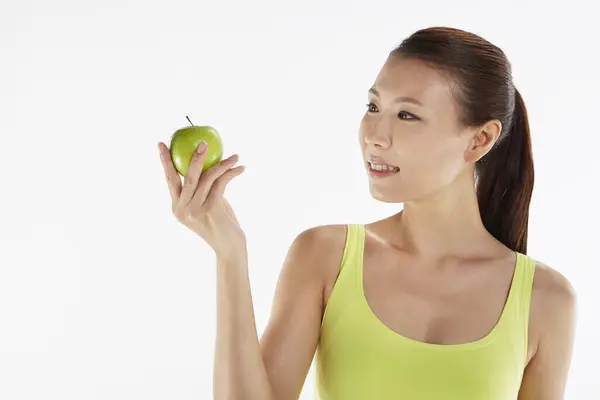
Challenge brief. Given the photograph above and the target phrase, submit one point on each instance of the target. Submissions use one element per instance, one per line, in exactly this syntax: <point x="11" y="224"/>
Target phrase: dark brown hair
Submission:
<point x="484" y="90"/>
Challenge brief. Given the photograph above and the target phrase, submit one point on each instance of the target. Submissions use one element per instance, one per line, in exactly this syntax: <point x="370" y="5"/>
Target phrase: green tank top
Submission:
<point x="360" y="358"/>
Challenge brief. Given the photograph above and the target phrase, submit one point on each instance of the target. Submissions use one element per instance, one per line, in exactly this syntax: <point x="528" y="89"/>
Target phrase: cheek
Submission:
<point x="432" y="164"/>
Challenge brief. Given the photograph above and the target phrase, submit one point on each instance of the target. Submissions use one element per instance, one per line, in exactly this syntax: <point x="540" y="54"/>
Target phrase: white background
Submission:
<point x="103" y="295"/>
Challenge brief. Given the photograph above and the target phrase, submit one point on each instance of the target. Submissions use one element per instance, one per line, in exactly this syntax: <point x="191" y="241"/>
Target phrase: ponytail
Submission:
<point x="505" y="179"/>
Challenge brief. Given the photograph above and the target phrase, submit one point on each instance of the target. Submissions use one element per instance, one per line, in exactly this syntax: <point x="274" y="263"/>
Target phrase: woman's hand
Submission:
<point x="199" y="203"/>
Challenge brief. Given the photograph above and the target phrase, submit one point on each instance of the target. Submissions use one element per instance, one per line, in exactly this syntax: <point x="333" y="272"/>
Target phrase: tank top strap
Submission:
<point x="353" y="249"/>
<point x="524" y="286"/>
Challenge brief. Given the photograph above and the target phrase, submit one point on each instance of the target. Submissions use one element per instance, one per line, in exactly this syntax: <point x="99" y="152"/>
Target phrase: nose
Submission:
<point x="378" y="135"/>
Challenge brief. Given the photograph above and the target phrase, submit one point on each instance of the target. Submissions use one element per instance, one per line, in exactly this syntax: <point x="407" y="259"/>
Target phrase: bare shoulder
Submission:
<point x="320" y="246"/>
<point x="318" y="251"/>
<point x="553" y="302"/>
<point x="315" y="253"/>
<point x="322" y="235"/>
<point x="551" y="288"/>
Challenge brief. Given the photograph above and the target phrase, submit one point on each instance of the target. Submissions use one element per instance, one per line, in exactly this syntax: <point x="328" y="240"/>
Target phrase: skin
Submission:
<point x="414" y="260"/>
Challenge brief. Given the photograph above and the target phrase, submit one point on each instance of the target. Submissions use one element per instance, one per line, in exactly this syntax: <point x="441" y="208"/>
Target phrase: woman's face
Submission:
<point x="422" y="137"/>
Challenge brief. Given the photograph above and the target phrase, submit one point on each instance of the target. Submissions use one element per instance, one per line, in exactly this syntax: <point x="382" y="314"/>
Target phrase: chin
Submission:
<point x="394" y="197"/>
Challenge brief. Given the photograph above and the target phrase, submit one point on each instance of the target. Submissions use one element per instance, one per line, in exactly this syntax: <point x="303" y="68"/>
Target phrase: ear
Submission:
<point x="482" y="140"/>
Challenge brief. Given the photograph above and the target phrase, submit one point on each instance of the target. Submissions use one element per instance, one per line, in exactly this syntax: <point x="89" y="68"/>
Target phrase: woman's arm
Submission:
<point x="239" y="371"/>
<point x="276" y="366"/>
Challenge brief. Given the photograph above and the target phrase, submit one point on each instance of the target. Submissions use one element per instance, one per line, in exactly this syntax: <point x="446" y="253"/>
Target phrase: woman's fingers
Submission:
<point x="190" y="181"/>
<point x="209" y="177"/>
<point x="171" y="175"/>
<point x="218" y="189"/>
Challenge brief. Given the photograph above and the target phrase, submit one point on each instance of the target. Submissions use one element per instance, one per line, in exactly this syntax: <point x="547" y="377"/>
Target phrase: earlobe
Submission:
<point x="475" y="153"/>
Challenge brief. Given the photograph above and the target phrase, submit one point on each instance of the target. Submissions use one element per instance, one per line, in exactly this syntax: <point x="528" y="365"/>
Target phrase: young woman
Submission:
<point x="438" y="301"/>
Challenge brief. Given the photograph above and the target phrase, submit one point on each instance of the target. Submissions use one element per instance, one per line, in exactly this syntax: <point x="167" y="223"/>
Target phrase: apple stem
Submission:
<point x="188" y="118"/>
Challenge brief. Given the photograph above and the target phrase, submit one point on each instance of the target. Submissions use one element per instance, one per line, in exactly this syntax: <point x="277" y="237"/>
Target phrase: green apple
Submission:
<point x="185" y="141"/>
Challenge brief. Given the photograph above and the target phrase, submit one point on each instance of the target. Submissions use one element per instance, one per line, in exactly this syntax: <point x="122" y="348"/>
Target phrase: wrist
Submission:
<point x="237" y="255"/>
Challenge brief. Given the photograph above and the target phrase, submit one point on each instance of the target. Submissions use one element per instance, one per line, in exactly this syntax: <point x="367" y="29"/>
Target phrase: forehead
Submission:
<point x="413" y="78"/>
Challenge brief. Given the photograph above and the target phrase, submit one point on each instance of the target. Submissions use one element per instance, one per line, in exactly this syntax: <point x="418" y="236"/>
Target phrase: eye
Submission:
<point x="369" y="107"/>
<point x="403" y="115"/>
<point x="406" y="116"/>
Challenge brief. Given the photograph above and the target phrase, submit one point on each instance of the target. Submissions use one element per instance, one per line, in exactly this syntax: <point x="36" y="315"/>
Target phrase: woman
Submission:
<point x="436" y="302"/>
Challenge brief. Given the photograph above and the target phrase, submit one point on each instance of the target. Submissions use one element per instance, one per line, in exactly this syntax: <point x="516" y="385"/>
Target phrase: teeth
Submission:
<point x="377" y="167"/>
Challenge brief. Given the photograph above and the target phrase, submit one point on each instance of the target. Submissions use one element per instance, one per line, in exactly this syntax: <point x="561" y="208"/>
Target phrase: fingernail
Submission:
<point x="203" y="145"/>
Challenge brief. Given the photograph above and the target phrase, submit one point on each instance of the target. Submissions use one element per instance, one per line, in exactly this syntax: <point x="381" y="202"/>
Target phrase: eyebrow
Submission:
<point x="401" y="99"/>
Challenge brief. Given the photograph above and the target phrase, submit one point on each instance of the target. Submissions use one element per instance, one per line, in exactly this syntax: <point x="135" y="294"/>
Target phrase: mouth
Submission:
<point x="382" y="170"/>
<point x="383" y="167"/>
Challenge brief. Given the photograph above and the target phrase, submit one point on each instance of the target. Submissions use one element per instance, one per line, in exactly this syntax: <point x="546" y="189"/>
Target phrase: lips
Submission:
<point x="380" y="162"/>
